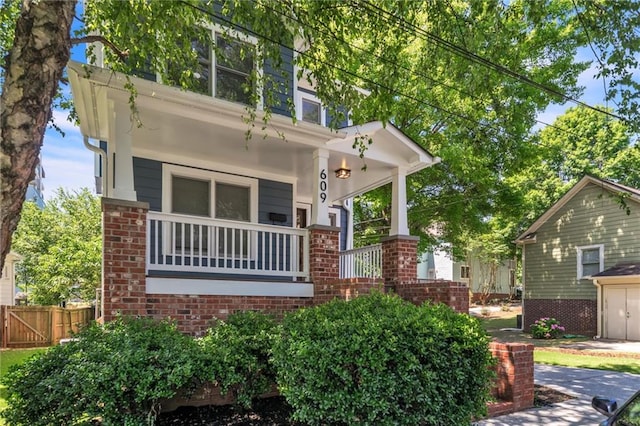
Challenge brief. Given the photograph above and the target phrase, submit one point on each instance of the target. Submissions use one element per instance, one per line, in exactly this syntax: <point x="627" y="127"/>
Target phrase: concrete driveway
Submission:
<point x="582" y="383"/>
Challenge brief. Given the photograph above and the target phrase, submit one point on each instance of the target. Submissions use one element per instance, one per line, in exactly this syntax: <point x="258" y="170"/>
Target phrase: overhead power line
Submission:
<point x="461" y="51"/>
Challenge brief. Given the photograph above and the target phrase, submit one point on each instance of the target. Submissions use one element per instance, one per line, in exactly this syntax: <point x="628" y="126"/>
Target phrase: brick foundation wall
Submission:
<point x="194" y="313"/>
<point x="124" y="281"/>
<point x="513" y="389"/>
<point x="450" y="293"/>
<point x="123" y="254"/>
<point x="578" y="316"/>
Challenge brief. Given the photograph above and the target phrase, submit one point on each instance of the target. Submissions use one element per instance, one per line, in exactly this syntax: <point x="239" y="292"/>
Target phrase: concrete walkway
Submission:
<point x="582" y="383"/>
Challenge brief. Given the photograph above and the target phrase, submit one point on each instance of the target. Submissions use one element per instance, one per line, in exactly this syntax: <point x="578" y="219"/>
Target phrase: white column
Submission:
<point x="320" y="208"/>
<point x="122" y="165"/>
<point x="399" y="224"/>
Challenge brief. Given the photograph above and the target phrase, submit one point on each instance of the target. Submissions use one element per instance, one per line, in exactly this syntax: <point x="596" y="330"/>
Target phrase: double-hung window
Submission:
<point x="226" y="70"/>
<point x="209" y="195"/>
<point x="590" y="260"/>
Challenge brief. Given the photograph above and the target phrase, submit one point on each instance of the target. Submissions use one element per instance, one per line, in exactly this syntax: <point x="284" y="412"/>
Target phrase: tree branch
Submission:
<point x="123" y="55"/>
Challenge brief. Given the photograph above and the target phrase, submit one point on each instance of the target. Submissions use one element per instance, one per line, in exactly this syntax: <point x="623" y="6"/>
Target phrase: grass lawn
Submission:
<point x="500" y="320"/>
<point x="620" y="364"/>
<point x="7" y="359"/>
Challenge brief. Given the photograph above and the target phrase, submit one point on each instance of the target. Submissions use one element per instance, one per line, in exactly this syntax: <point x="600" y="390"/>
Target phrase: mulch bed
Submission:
<point x="544" y="396"/>
<point x="275" y="411"/>
<point x="272" y="411"/>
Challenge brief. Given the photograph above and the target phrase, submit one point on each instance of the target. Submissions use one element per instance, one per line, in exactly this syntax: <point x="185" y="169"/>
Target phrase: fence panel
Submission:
<point x="38" y="326"/>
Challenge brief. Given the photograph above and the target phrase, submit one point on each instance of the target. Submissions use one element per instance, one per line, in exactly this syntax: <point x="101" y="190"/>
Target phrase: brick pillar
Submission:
<point x="399" y="260"/>
<point x="124" y="226"/>
<point x="324" y="253"/>
<point x="514" y="371"/>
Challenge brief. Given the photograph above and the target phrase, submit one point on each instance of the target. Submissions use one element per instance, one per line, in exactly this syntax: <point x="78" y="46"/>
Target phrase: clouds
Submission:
<point x="67" y="163"/>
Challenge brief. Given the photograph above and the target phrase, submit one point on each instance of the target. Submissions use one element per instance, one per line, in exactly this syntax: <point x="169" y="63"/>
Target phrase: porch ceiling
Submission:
<point x="201" y="131"/>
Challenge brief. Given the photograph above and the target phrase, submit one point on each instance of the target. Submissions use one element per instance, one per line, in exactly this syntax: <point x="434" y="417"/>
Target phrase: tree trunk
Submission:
<point x="34" y="66"/>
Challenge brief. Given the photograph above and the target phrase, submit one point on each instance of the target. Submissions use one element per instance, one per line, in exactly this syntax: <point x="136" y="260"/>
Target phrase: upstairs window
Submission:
<point x="590" y="260"/>
<point x="235" y="62"/>
<point x="310" y="109"/>
<point x="225" y="72"/>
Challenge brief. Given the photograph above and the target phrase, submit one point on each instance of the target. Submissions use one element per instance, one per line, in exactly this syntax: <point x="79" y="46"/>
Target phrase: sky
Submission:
<point x="68" y="164"/>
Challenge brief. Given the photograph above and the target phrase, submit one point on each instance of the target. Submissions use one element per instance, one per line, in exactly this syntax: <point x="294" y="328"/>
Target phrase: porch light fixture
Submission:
<point x="343" y="173"/>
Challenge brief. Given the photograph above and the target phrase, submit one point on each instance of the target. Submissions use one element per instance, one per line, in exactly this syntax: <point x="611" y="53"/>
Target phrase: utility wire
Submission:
<point x="462" y="52"/>
<point x="370" y="81"/>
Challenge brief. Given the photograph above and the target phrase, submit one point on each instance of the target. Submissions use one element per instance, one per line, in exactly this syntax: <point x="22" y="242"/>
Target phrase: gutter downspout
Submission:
<point x="599" y="302"/>
<point x="103" y="157"/>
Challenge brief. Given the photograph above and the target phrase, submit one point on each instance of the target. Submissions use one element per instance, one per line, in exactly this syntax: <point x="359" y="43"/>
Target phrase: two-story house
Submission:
<point x="200" y="220"/>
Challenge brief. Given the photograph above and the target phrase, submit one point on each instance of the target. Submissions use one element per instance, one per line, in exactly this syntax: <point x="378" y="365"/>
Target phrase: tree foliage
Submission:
<point x="61" y="246"/>
<point x="465" y="79"/>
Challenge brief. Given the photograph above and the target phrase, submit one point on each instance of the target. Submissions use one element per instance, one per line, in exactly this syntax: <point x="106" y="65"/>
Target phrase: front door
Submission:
<point x="622" y="312"/>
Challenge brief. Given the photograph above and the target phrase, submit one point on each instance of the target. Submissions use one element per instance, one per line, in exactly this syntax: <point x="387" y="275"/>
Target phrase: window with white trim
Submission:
<point x="590" y="260"/>
<point x="309" y="108"/>
<point x="226" y="71"/>
<point x="209" y="194"/>
<point x="465" y="272"/>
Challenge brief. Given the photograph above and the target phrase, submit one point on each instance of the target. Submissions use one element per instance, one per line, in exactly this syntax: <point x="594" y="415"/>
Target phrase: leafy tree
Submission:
<point x="61" y="246"/>
<point x="463" y="78"/>
<point x="579" y="142"/>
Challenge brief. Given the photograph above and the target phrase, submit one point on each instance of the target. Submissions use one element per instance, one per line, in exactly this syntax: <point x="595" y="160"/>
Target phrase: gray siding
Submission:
<point x="591" y="217"/>
<point x="281" y="82"/>
<point x="343" y="228"/>
<point x="275" y="197"/>
<point x="147" y="181"/>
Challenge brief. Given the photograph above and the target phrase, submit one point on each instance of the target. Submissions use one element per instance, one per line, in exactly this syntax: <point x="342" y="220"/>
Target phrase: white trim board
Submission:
<point x="204" y="287"/>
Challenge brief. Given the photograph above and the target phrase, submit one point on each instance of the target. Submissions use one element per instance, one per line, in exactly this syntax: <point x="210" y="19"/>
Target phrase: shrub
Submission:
<point x="546" y="328"/>
<point x="117" y="372"/>
<point x="378" y="360"/>
<point x="236" y="355"/>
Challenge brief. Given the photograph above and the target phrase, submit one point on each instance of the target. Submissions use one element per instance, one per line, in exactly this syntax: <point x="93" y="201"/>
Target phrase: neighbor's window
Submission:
<point x="464" y="272"/>
<point x="590" y="260"/>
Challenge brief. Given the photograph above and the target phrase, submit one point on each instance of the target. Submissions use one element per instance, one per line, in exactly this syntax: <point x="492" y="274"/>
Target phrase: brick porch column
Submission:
<point x="124" y="230"/>
<point x="399" y="260"/>
<point x="324" y="253"/>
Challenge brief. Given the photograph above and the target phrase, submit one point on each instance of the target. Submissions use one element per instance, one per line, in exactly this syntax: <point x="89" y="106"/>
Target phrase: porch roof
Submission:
<point x="197" y="130"/>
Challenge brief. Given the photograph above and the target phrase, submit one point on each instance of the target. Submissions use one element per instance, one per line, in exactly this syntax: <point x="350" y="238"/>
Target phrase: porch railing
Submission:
<point x="363" y="262"/>
<point x="180" y="243"/>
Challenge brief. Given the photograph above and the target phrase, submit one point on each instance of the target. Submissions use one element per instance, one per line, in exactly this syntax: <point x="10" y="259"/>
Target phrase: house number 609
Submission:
<point x="323" y="185"/>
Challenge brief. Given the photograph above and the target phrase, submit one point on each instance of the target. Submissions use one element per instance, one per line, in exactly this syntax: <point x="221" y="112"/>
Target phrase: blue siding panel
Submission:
<point x="275" y="197"/>
<point x="281" y="82"/>
<point x="147" y="182"/>
<point x="343" y="228"/>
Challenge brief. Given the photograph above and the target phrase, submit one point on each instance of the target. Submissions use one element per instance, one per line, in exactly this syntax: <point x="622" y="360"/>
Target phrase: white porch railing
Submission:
<point x="363" y="262"/>
<point x="180" y="243"/>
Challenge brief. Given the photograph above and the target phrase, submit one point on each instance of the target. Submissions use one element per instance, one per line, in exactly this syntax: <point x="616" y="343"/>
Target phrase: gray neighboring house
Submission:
<point x="581" y="261"/>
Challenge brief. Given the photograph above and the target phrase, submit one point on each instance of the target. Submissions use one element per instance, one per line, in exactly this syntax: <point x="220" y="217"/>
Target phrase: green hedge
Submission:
<point x="375" y="360"/>
<point x="236" y="355"/>
<point x="378" y="360"/>
<point x="118" y="373"/>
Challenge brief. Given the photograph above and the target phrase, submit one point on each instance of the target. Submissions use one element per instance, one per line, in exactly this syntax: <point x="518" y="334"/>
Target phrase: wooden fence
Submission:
<point x="36" y="326"/>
